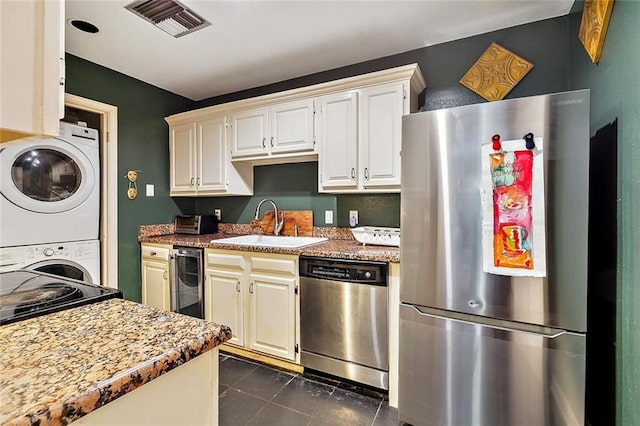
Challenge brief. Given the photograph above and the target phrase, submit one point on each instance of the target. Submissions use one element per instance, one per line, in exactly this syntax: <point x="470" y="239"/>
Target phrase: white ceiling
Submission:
<point x="253" y="43"/>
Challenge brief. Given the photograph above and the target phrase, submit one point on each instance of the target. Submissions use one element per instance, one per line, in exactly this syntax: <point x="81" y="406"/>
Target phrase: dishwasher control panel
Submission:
<point x="344" y="270"/>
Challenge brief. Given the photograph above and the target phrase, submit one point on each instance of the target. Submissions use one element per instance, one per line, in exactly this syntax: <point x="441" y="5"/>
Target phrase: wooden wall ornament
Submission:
<point x="495" y="73"/>
<point x="593" y="27"/>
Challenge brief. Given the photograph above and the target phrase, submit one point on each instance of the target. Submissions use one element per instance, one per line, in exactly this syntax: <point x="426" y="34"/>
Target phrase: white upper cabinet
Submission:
<point x="199" y="163"/>
<point x="361" y="139"/>
<point x="338" y="159"/>
<point x="381" y="134"/>
<point x="249" y="133"/>
<point x="182" y="161"/>
<point x="283" y="128"/>
<point x="32" y="68"/>
<point x="292" y="127"/>
<point x="352" y="127"/>
<point x="211" y="158"/>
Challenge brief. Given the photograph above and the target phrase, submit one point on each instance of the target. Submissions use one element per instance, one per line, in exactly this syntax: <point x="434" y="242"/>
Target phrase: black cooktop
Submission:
<point x="28" y="294"/>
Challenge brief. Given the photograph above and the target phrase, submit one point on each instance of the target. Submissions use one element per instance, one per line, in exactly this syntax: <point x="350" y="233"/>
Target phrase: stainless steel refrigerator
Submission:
<point x="476" y="347"/>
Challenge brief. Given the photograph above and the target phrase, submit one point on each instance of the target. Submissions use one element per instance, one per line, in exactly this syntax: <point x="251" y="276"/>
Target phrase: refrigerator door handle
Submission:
<point x="546" y="332"/>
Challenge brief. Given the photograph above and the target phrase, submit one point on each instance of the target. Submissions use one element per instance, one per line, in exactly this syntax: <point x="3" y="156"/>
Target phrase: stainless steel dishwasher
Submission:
<point x="344" y="319"/>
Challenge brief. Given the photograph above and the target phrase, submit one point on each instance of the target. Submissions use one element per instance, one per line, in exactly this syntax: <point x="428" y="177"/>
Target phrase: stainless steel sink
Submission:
<point x="270" y="241"/>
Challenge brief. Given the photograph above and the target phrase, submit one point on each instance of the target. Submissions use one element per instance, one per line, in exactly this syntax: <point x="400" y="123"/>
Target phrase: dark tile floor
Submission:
<point x="254" y="394"/>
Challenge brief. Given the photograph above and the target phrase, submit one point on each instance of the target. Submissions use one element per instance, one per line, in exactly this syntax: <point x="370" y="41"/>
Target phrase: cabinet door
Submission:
<point x="291" y="125"/>
<point x="211" y="158"/>
<point x="338" y="160"/>
<point x="182" y="155"/>
<point x="249" y="130"/>
<point x="32" y="58"/>
<point x="224" y="301"/>
<point x="155" y="284"/>
<point x="381" y="134"/>
<point x="272" y="315"/>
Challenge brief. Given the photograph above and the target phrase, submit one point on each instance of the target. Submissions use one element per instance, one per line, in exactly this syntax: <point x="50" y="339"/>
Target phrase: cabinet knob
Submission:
<point x="153" y="253"/>
<point x="271" y="142"/>
<point x="251" y="288"/>
<point x="366" y="173"/>
<point x="353" y="173"/>
<point x="264" y="142"/>
<point x="164" y="275"/>
<point x="191" y="181"/>
<point x="238" y="286"/>
<point x="197" y="181"/>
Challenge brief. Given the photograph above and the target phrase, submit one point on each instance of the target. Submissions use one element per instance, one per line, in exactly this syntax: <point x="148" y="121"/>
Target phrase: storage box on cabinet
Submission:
<point x="280" y="131"/>
<point x="155" y="275"/>
<point x="254" y="294"/>
<point x="199" y="160"/>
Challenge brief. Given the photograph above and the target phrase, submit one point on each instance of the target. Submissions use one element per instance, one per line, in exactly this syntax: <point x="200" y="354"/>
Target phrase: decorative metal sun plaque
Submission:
<point x="495" y="73"/>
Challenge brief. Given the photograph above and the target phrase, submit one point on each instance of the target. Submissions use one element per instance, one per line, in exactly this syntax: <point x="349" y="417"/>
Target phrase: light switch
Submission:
<point x="328" y="217"/>
<point x="150" y="190"/>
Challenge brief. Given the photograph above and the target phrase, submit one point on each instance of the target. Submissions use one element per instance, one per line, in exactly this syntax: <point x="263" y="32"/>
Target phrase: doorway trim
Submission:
<point x="109" y="186"/>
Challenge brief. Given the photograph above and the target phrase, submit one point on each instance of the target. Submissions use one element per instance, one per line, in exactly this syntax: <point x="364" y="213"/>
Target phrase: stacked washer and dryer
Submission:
<point x="50" y="204"/>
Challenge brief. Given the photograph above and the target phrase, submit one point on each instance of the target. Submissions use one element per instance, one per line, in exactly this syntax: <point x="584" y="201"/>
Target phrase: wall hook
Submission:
<point x="132" y="189"/>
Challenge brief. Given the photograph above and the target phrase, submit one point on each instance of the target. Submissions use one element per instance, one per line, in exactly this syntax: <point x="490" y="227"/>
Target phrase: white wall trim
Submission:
<point x="109" y="188"/>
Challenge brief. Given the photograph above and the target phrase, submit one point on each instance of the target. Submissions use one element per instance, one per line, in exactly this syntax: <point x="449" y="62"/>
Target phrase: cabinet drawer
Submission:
<point x="155" y="252"/>
<point x="282" y="265"/>
<point x="230" y="260"/>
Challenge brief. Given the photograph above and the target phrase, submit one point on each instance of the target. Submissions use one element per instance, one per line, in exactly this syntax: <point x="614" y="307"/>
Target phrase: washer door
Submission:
<point x="47" y="176"/>
<point x="63" y="268"/>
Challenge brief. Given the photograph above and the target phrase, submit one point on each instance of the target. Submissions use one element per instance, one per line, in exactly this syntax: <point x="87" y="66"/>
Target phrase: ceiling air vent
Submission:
<point x="168" y="15"/>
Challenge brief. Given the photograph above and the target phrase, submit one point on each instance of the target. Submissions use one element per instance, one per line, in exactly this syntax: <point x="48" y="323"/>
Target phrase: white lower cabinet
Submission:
<point x="255" y="295"/>
<point x="224" y="301"/>
<point x="272" y="315"/>
<point x="155" y="275"/>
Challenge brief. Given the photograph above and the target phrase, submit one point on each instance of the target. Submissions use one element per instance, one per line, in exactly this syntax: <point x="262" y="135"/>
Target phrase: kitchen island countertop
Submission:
<point x="333" y="248"/>
<point x="59" y="367"/>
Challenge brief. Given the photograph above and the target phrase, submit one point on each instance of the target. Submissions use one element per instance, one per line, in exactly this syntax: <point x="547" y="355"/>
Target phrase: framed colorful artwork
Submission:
<point x="513" y="220"/>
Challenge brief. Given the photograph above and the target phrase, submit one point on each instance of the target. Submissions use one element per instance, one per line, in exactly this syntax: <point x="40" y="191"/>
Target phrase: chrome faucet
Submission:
<point x="277" y="224"/>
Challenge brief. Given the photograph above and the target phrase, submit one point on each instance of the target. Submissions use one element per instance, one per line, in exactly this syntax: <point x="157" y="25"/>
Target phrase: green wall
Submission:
<point x="560" y="64"/>
<point x="442" y="66"/>
<point x="142" y="145"/>
<point x="615" y="93"/>
<point x="295" y="187"/>
<point x="143" y="133"/>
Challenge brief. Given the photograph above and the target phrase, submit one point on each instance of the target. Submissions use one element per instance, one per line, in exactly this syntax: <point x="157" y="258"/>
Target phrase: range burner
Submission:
<point x="27" y="294"/>
<point x="37" y="298"/>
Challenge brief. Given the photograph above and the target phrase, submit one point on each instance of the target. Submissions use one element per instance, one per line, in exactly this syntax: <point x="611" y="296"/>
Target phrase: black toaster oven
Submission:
<point x="196" y="224"/>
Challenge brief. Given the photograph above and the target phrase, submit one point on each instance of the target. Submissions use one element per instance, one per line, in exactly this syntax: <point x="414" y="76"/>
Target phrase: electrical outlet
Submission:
<point x="150" y="190"/>
<point x="353" y="218"/>
<point x="328" y="217"/>
<point x="218" y="213"/>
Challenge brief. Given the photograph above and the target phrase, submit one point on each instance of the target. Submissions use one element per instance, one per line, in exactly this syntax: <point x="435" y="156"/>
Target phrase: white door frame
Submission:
<point x="109" y="187"/>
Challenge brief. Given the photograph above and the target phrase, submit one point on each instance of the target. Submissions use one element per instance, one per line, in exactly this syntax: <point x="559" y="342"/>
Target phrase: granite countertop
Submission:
<point x="334" y="248"/>
<point x="58" y="367"/>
